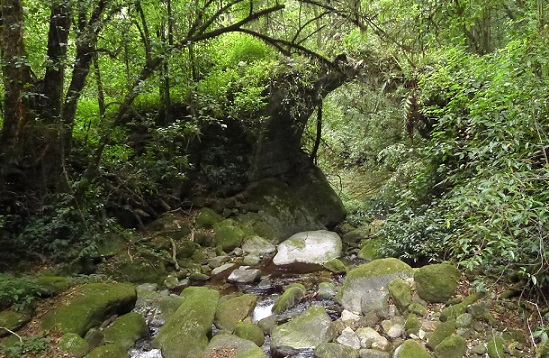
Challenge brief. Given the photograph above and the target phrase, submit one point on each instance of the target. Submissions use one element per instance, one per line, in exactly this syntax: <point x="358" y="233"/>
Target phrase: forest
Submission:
<point x="429" y="119"/>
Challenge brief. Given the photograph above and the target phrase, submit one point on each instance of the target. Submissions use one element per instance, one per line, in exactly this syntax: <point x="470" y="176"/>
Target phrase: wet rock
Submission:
<point x="370" y="338"/>
<point x="293" y="294"/>
<point x="13" y="320"/>
<point x="244" y="274"/>
<point x="185" y="333"/>
<point x="234" y="310"/>
<point x="335" y="350"/>
<point x="73" y="345"/>
<point x="366" y="287"/>
<point x="437" y="283"/>
<point x="326" y="290"/>
<point x="349" y="338"/>
<point x="251" y="332"/>
<point x="257" y="245"/>
<point x="307" y="330"/>
<point x="238" y="347"/>
<point x="411" y="349"/>
<point x="451" y="347"/>
<point x="127" y="329"/>
<point x="88" y="306"/>
<point x="311" y="247"/>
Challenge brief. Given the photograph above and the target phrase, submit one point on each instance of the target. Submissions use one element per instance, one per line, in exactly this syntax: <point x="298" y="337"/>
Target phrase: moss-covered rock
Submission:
<point x="238" y="347"/>
<point x="171" y="224"/>
<point x="496" y="348"/>
<point x="73" y="345"/>
<point x="13" y="320"/>
<point x="293" y="294"/>
<point x="234" y="310"/>
<point x="52" y="285"/>
<point x="401" y="292"/>
<point x="369" y="250"/>
<point x="412" y="324"/>
<point x="126" y="330"/>
<point x="437" y="283"/>
<point x="417" y="309"/>
<point x="335" y="350"/>
<point x="251" y="332"/>
<point x="88" y="306"/>
<point x="111" y="245"/>
<point x="185" y="334"/>
<point x="452" y="312"/>
<point x="452" y="347"/>
<point x="335" y="266"/>
<point x="307" y="330"/>
<point x="228" y="234"/>
<point x="411" y="349"/>
<point x="109" y="351"/>
<point x="207" y="218"/>
<point x="186" y="249"/>
<point x="443" y="331"/>
<point x="365" y="287"/>
<point x="137" y="270"/>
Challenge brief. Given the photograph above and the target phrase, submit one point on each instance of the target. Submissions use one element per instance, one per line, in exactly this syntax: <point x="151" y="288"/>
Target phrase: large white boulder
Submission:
<point x="309" y="247"/>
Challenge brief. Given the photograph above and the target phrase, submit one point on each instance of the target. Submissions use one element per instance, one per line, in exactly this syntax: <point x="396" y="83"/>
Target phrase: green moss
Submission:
<point x="186" y="249"/>
<point x="207" y="218"/>
<point x="52" y="285"/>
<point x="251" y="332"/>
<point x="73" y="345"/>
<point x="412" y="324"/>
<point x="437" y="283"/>
<point x="13" y="320"/>
<point x="335" y="266"/>
<point x="401" y="292"/>
<point x="417" y="309"/>
<point x="110" y="351"/>
<point x="369" y="250"/>
<point x="185" y="333"/>
<point x="452" y="312"/>
<point x="234" y="310"/>
<point x="126" y="330"/>
<point x="380" y="267"/>
<point x="291" y="297"/>
<point x="443" y="331"/>
<point x="242" y="348"/>
<point x="138" y="270"/>
<point x="297" y="242"/>
<point x="88" y="306"/>
<point x="452" y="347"/>
<point x="411" y="349"/>
<point x="228" y="234"/>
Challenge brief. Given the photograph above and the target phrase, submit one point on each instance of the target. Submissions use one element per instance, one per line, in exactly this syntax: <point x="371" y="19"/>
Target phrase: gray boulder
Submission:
<point x="335" y="350"/>
<point x="244" y="274"/>
<point x="310" y="247"/>
<point x="257" y="245"/>
<point x="366" y="287"/>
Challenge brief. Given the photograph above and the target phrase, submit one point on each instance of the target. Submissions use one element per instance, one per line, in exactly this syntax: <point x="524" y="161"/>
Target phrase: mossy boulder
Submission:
<point x="137" y="270"/>
<point x="401" y="292"/>
<point x="234" y="310"/>
<point x="186" y="249"/>
<point x="335" y="266"/>
<point x="437" y="283"/>
<point x="73" y="345"/>
<point x="335" y="350"/>
<point x="452" y="347"/>
<point x="207" y="218"/>
<point x="369" y="250"/>
<point x="52" y="285"/>
<point x="13" y="320"/>
<point x="238" y="347"/>
<point x="185" y="333"/>
<point x="443" y="331"/>
<point x="411" y="349"/>
<point x="251" y="332"/>
<point x="293" y="294"/>
<point x="496" y="348"/>
<point x="412" y="325"/>
<point x="306" y="330"/>
<point x="89" y="305"/>
<point x="366" y="287"/>
<point x="126" y="330"/>
<point x="110" y="351"/>
<point x="228" y="234"/>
